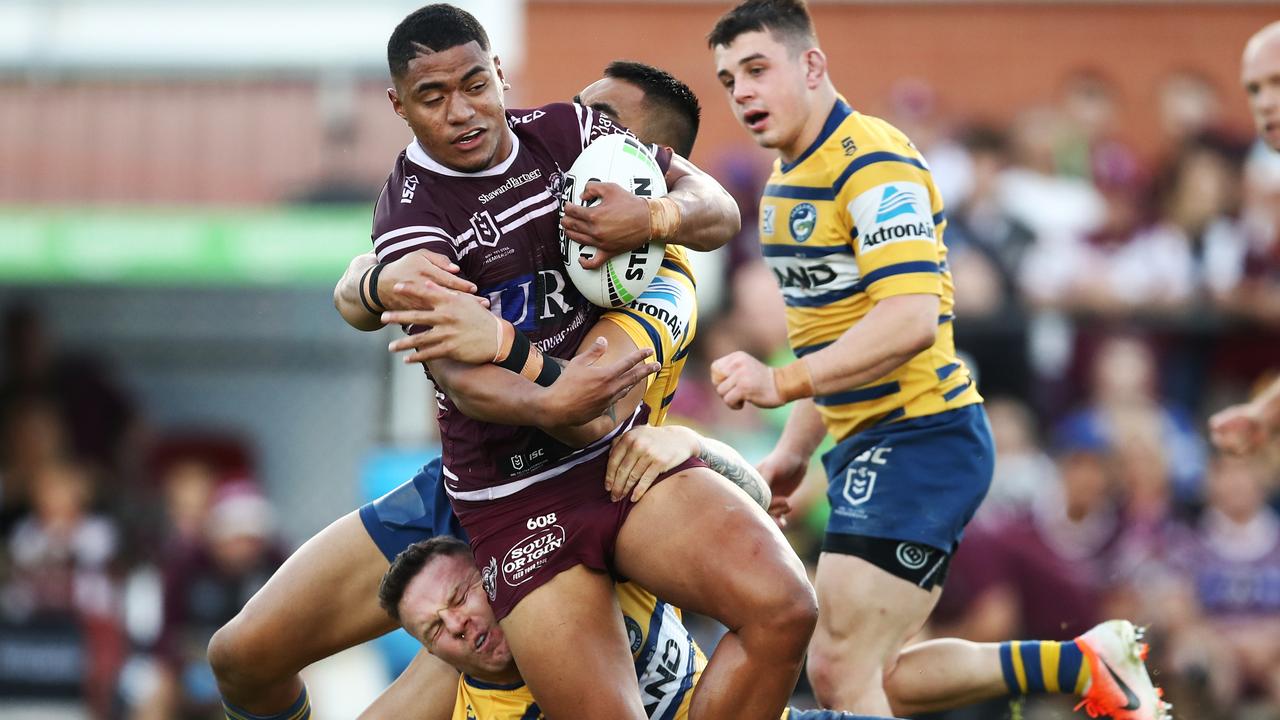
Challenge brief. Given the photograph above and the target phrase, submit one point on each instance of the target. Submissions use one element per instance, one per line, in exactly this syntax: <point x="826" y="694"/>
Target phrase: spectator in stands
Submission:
<point x="1230" y="562"/>
<point x="32" y="438"/>
<point x="1023" y="469"/>
<point x="985" y="243"/>
<point x="1125" y="385"/>
<point x="1189" y="105"/>
<point x="202" y="591"/>
<point x="61" y="574"/>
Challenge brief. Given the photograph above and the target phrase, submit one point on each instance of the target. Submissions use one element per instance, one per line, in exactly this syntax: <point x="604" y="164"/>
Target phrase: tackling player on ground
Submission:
<point x="851" y="224"/>
<point x="433" y="590"/>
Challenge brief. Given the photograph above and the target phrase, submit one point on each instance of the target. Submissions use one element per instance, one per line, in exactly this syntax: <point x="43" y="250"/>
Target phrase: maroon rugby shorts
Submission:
<point x="522" y="541"/>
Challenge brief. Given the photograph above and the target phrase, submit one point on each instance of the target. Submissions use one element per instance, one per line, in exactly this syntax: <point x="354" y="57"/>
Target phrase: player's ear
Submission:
<point x="502" y="79"/>
<point x="396" y="105"/>
<point x="815" y="67"/>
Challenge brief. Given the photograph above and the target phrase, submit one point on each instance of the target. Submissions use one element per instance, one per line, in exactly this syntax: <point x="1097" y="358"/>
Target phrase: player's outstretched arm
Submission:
<point x="368" y="288"/>
<point x="584" y="391"/>
<point x="642" y="453"/>
<point x="894" y="331"/>
<point x="697" y="213"/>
<point x="1243" y="429"/>
<point x="785" y="466"/>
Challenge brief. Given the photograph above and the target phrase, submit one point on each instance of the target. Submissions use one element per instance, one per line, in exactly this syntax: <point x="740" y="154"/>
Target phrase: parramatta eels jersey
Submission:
<point x="668" y="664"/>
<point x="665" y="318"/>
<point x="854" y="220"/>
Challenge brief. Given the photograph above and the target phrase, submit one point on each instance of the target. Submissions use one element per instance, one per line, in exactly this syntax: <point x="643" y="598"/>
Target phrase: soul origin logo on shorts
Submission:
<point x="531" y="553"/>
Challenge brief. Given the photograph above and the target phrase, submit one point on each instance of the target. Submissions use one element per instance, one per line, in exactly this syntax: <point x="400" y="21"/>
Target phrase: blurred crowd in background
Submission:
<point x="1109" y="302"/>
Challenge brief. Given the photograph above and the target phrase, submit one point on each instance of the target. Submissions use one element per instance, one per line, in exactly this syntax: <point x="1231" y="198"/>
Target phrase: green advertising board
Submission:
<point x="276" y="246"/>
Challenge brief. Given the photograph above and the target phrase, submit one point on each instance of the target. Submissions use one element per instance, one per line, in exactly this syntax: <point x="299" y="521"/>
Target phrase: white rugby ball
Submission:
<point x="625" y="161"/>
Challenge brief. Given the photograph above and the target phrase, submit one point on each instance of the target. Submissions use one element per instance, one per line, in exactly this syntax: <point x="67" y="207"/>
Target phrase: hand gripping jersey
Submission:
<point x="854" y="220"/>
<point x="500" y="226"/>
<point x="668" y="664"/>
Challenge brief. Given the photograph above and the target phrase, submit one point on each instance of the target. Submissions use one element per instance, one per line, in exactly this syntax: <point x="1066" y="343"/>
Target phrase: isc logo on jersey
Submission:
<point x="892" y="212"/>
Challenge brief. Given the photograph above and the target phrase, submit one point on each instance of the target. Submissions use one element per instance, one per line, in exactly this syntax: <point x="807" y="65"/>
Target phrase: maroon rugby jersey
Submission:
<point x="501" y="226"/>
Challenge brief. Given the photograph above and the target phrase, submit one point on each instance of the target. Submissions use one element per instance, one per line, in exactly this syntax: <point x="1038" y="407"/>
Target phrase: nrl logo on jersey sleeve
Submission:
<point x="892" y="212"/>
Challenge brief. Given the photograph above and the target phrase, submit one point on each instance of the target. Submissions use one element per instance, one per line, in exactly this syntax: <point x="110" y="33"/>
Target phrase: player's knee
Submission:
<point x="231" y="654"/>
<point x="837" y="675"/>
<point x="222" y="652"/>
<point x="791" y="614"/>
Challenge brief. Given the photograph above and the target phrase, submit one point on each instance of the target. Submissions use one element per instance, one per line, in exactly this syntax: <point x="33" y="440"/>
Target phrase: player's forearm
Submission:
<point x="709" y="217"/>
<point x="894" y="331"/>
<point x="804" y="429"/>
<point x="346" y="295"/>
<point x="730" y="463"/>
<point x="492" y="394"/>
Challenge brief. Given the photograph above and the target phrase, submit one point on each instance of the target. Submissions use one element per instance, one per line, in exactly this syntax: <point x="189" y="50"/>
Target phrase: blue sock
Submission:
<point x="1043" y="666"/>
<point x="299" y="710"/>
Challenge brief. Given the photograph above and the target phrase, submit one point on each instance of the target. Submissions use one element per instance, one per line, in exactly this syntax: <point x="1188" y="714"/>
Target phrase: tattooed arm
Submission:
<point x="639" y="456"/>
<point x="730" y="463"/>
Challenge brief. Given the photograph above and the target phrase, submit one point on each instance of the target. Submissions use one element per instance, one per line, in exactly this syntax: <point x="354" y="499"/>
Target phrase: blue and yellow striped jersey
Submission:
<point x="856" y="219"/>
<point x="668" y="664"/>
<point x="665" y="318"/>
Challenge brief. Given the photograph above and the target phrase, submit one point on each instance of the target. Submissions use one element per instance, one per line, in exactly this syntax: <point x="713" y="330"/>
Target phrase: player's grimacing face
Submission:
<point x="446" y="609"/>
<point x="1260" y="75"/>
<point x="453" y="102"/>
<point x="765" y="84"/>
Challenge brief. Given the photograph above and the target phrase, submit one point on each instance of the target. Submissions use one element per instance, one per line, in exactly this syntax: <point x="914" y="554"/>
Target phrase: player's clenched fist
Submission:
<point x="740" y="378"/>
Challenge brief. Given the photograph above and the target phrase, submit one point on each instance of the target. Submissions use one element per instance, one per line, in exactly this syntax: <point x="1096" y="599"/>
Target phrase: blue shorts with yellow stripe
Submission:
<point x="665" y="318"/>
<point x="918" y="480"/>
<point x="415" y="510"/>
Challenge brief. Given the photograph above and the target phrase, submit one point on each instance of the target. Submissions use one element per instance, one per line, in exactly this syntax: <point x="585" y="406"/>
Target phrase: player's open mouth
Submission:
<point x="481" y="640"/>
<point x="755" y="119"/>
<point x="469" y="139"/>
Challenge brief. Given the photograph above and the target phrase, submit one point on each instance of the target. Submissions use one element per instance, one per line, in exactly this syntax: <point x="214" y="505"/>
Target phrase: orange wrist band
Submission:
<point x="664" y="219"/>
<point x="794" y="381"/>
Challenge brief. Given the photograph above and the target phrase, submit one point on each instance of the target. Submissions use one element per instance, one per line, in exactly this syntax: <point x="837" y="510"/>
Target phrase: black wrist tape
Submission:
<point x="374" y="272"/>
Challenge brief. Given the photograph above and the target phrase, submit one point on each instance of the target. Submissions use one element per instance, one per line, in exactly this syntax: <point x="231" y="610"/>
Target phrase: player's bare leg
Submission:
<point x="866" y="616"/>
<point x="322" y="600"/>
<point x="699" y="543"/>
<point x="426" y="690"/>
<point x="547" y="633"/>
<point x="941" y="674"/>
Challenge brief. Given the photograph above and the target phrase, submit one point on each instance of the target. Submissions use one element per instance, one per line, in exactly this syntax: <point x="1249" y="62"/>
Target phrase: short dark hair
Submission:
<point x="433" y="27"/>
<point x="668" y="93"/>
<point x="409" y="563"/>
<point x="787" y="20"/>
